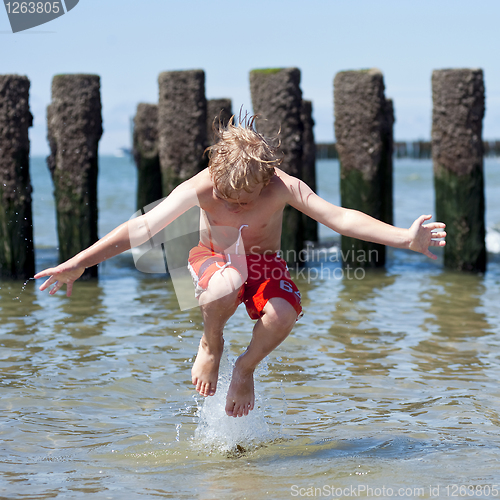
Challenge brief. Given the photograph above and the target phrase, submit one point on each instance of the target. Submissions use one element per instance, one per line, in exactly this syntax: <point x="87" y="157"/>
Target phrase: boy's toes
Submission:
<point x="230" y="410"/>
<point x="203" y="388"/>
<point x="240" y="410"/>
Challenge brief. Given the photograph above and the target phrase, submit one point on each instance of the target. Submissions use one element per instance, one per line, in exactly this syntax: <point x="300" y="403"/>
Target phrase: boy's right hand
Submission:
<point x="63" y="274"/>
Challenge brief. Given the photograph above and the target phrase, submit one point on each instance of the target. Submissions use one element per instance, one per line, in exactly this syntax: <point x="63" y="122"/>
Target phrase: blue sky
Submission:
<point x="129" y="42"/>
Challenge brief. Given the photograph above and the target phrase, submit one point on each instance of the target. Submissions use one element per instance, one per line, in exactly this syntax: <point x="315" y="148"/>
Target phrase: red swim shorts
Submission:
<point x="268" y="277"/>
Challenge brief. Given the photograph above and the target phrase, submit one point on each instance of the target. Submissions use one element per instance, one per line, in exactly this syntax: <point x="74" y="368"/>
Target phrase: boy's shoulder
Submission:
<point x="202" y="181"/>
<point x="283" y="183"/>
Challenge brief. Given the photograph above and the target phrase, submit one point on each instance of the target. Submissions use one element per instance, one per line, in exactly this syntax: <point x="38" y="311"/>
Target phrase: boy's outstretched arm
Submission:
<point x="131" y="233"/>
<point x="419" y="237"/>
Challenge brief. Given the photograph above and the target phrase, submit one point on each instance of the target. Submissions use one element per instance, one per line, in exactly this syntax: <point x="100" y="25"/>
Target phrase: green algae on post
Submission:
<point x="267" y="71"/>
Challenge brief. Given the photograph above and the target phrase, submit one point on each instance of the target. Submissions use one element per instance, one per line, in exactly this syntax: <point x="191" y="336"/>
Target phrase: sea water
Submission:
<point x="386" y="388"/>
<point x="216" y="431"/>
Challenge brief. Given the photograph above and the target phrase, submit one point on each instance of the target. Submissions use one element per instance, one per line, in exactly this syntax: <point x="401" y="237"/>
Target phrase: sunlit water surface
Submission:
<point x="387" y="387"/>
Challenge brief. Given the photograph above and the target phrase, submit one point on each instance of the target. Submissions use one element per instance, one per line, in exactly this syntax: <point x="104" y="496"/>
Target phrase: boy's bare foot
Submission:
<point x="240" y="395"/>
<point x="205" y="370"/>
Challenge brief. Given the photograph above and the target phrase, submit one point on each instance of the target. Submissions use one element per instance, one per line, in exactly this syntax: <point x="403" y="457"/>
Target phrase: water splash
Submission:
<point x="23" y="288"/>
<point x="285" y="406"/>
<point x="217" y="431"/>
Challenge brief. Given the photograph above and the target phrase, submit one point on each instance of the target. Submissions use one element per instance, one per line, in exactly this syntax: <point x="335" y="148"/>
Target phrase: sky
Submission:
<point x="130" y="42"/>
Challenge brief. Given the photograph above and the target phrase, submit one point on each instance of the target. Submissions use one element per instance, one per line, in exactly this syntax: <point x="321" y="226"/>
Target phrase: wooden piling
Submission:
<point x="308" y="165"/>
<point x="219" y="112"/>
<point x="17" y="259"/>
<point x="457" y="153"/>
<point x="363" y="127"/>
<point x="277" y="100"/>
<point x="74" y="126"/>
<point x="182" y="126"/>
<point x="146" y="155"/>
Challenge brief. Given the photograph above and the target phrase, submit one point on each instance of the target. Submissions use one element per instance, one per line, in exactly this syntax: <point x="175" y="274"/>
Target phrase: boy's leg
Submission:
<point x="271" y="329"/>
<point x="218" y="303"/>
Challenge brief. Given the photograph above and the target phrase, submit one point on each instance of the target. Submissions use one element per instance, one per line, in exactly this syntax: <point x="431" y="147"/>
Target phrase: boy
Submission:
<point x="243" y="189"/>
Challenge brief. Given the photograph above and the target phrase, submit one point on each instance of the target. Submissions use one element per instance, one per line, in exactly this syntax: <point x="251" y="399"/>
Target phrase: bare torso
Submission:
<point x="258" y="219"/>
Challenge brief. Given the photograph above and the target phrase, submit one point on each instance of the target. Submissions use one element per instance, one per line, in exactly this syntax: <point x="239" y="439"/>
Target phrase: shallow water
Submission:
<point x="387" y="387"/>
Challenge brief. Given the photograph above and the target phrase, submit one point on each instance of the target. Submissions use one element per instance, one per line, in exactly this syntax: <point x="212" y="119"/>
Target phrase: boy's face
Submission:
<point x="242" y="200"/>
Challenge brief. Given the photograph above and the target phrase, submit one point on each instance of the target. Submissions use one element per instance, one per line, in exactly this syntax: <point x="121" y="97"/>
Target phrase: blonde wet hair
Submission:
<point x="242" y="157"/>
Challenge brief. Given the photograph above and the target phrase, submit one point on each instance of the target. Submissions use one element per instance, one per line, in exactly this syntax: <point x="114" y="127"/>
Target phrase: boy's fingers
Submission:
<point x="54" y="289"/>
<point x="46" y="272"/>
<point x="57" y="286"/>
<point x="441" y="234"/>
<point x="431" y="255"/>
<point x="47" y="283"/>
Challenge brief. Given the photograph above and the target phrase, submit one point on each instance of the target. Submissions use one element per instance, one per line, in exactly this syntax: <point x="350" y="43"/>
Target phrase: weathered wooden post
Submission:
<point x="363" y="127"/>
<point x="218" y="111"/>
<point x="182" y="126"/>
<point x="146" y="154"/>
<point x="74" y="126"/>
<point x="308" y="165"/>
<point x="457" y="152"/>
<point x="277" y="100"/>
<point x="17" y="258"/>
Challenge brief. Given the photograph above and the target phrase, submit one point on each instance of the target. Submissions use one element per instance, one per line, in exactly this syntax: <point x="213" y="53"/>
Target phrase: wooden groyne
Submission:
<point x="308" y="166"/>
<point x="146" y="155"/>
<point x="219" y="112"/>
<point x="277" y="100"/>
<point x="363" y="127"/>
<point x="170" y="138"/>
<point x="182" y="126"/>
<point x="418" y="150"/>
<point x="457" y="153"/>
<point x="74" y="128"/>
<point x="17" y="260"/>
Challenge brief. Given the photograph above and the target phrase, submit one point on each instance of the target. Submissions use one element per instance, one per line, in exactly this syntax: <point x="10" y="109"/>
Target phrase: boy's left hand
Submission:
<point x="422" y="237"/>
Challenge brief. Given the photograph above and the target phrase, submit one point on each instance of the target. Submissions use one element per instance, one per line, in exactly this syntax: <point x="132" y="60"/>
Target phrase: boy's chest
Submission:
<point x="255" y="224"/>
<point x="259" y="222"/>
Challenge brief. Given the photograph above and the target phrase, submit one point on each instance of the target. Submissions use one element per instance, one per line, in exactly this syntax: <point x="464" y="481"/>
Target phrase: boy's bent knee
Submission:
<point x="223" y="287"/>
<point x="280" y="311"/>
